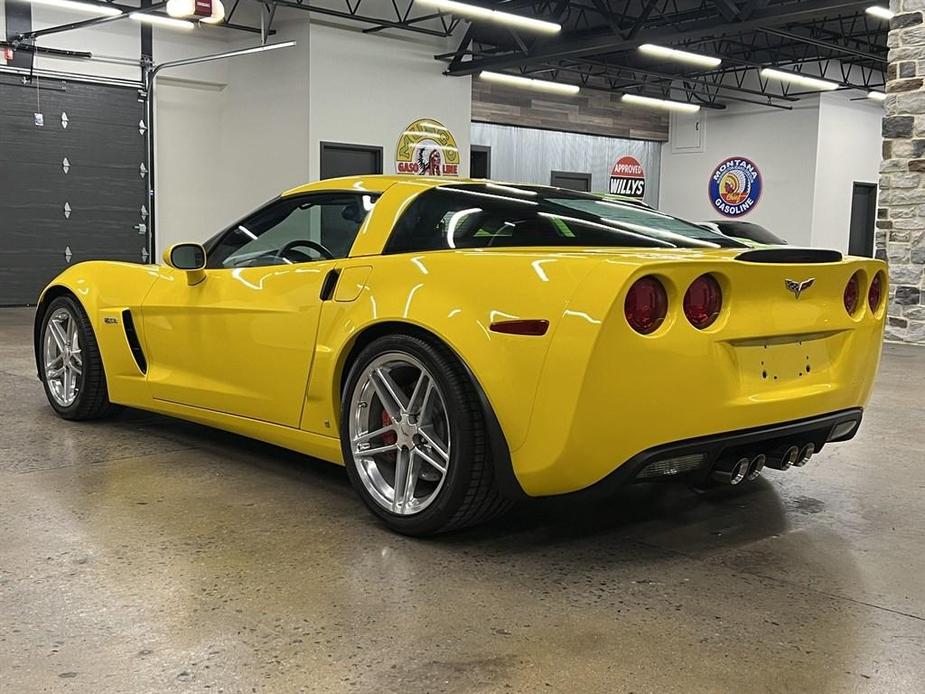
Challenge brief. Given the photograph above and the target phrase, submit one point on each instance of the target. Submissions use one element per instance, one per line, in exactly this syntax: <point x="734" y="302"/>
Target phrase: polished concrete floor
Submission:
<point x="143" y="554"/>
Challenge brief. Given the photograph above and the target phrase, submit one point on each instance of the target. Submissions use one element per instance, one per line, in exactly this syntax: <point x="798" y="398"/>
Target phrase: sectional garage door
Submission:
<point x="72" y="189"/>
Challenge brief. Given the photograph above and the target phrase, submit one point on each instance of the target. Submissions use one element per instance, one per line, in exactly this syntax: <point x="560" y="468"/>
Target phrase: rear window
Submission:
<point x="499" y="216"/>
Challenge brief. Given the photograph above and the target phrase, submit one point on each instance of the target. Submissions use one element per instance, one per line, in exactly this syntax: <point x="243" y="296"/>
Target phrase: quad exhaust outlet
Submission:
<point x="735" y="469"/>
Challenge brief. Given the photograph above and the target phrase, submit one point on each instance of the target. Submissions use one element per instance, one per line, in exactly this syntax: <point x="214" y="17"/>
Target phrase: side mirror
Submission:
<point x="189" y="257"/>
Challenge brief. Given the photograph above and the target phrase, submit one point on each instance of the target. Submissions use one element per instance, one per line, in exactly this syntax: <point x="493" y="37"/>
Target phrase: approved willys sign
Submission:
<point x="627" y="178"/>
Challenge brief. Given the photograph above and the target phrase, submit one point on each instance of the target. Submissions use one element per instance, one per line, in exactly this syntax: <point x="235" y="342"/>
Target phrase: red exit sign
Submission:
<point x="203" y="8"/>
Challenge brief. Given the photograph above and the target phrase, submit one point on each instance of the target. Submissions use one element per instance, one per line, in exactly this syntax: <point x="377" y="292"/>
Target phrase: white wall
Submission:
<point x="223" y="148"/>
<point x="367" y="88"/>
<point x="849" y="151"/>
<point x="809" y="158"/>
<point x="781" y="143"/>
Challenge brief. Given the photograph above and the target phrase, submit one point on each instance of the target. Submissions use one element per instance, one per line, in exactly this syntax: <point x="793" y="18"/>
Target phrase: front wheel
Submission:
<point x="72" y="370"/>
<point x="414" y="438"/>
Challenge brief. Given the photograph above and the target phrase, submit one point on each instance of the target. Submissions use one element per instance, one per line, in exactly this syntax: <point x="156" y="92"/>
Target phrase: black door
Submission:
<point x="571" y="180"/>
<point x="480" y="161"/>
<point x="72" y="180"/>
<point x="339" y="159"/>
<point x="863" y="214"/>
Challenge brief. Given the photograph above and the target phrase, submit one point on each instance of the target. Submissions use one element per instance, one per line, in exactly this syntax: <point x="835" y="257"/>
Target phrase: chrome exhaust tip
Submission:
<point x="731" y="471"/>
<point x="805" y="454"/>
<point x="756" y="466"/>
<point x="783" y="458"/>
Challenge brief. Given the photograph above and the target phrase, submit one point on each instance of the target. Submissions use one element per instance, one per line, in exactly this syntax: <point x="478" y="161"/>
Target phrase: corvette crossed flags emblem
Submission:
<point x="799" y="287"/>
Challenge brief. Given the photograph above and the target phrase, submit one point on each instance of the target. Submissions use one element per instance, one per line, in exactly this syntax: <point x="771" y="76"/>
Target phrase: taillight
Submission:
<point x="703" y="301"/>
<point x="875" y="293"/>
<point x="646" y="305"/>
<point x="852" y="292"/>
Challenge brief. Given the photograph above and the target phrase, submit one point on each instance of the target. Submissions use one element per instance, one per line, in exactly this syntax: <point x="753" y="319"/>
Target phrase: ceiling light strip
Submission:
<point x="103" y="10"/>
<point x="879" y="12"/>
<point x="530" y="83"/>
<point x="476" y="12"/>
<point x="668" y="104"/>
<point x="160" y="20"/>
<point x="680" y="56"/>
<point x="795" y="78"/>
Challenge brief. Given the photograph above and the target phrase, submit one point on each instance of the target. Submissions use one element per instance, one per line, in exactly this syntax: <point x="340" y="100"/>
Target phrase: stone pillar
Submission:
<point x="900" y="236"/>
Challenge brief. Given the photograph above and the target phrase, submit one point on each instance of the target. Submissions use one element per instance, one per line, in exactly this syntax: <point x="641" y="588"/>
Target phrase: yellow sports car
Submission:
<point x="460" y="344"/>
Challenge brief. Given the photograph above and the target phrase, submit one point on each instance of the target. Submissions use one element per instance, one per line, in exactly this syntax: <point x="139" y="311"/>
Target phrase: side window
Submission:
<point x="294" y="230"/>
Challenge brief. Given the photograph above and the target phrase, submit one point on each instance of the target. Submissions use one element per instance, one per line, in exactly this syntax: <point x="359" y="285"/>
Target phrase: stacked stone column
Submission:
<point x="900" y="236"/>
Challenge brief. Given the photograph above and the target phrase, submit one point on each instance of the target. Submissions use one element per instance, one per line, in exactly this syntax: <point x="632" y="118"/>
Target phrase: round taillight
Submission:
<point x="646" y="305"/>
<point x="875" y="293"/>
<point x="703" y="301"/>
<point x="852" y="292"/>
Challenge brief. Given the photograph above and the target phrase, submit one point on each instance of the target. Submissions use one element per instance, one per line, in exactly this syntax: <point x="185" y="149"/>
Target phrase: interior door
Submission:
<point x="863" y="214"/>
<point x="241" y="341"/>
<point x="572" y="180"/>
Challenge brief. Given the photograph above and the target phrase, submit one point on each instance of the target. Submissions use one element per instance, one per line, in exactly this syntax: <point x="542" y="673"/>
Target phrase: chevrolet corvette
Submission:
<point x="459" y="345"/>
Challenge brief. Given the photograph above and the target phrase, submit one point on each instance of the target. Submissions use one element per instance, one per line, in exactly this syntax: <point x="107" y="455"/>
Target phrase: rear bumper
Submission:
<point x="819" y="430"/>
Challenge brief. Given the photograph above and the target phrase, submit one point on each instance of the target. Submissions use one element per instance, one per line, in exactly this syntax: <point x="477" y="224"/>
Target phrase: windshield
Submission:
<point x="493" y="215"/>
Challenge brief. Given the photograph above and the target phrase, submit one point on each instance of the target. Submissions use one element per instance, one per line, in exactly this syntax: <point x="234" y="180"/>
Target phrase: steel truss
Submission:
<point x="597" y="47"/>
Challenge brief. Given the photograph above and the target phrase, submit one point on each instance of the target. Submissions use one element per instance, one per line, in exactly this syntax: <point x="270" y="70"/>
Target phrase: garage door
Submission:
<point x="72" y="188"/>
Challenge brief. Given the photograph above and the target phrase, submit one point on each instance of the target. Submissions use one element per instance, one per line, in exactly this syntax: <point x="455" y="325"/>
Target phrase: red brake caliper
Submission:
<point x="389" y="437"/>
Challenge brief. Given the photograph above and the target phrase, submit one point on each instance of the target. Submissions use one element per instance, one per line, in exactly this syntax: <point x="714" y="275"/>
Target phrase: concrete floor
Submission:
<point x="144" y="554"/>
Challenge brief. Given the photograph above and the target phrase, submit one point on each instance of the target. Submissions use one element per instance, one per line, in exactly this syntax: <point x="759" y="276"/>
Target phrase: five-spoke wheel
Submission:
<point x="400" y="433"/>
<point x="70" y="363"/>
<point x="62" y="357"/>
<point x="414" y="437"/>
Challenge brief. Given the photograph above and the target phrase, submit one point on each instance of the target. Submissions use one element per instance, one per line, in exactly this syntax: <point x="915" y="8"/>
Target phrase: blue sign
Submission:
<point x="735" y="186"/>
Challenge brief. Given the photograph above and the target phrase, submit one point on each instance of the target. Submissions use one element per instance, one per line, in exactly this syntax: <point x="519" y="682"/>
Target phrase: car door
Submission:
<point x="241" y="341"/>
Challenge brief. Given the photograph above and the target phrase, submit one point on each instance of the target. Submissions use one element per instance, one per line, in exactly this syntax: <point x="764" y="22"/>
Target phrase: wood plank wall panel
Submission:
<point x="591" y="112"/>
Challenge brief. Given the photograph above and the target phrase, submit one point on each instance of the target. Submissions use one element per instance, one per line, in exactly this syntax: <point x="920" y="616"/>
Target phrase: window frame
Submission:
<point x="388" y="244"/>
<point x="217" y="239"/>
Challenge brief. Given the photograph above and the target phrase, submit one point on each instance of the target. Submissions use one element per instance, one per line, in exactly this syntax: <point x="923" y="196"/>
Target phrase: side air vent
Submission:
<point x="789" y="255"/>
<point x="129" y="324"/>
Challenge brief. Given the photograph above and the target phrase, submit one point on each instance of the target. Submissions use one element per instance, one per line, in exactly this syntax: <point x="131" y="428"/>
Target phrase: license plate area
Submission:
<point x="772" y="364"/>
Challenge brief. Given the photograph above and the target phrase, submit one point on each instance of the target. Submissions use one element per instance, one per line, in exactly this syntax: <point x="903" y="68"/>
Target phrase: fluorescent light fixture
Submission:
<point x="660" y="103"/>
<point x="876" y="96"/>
<point x="103" y="10"/>
<point x="158" y="20"/>
<point x="529" y="83"/>
<point x="879" y="12"/>
<point x="803" y="80"/>
<point x="475" y="12"/>
<point x="681" y="56"/>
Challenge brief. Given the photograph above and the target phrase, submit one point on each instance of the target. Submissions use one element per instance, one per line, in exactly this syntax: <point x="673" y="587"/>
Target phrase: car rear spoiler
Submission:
<point x="789" y="255"/>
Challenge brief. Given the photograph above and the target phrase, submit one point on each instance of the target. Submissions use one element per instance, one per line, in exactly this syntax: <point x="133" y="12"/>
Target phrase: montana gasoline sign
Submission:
<point x="735" y="186"/>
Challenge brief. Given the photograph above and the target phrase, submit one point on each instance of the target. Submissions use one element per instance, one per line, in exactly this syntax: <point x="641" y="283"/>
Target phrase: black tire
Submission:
<point x="469" y="495"/>
<point x="92" y="401"/>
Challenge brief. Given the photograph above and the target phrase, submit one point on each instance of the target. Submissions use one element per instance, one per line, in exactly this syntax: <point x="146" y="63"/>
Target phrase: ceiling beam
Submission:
<point x="800" y="38"/>
<point x="776" y="15"/>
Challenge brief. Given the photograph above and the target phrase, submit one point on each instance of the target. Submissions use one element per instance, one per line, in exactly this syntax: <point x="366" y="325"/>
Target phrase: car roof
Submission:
<point x="378" y="183"/>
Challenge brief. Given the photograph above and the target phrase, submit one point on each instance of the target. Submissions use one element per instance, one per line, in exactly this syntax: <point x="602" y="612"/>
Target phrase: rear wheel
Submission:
<point x="414" y="438"/>
<point x="72" y="370"/>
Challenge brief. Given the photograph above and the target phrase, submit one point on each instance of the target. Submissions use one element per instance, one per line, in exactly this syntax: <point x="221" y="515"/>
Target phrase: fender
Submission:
<point x="104" y="289"/>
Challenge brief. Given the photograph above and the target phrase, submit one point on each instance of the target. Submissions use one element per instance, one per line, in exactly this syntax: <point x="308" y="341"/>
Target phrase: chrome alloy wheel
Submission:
<point x="399" y="433"/>
<point x="62" y="357"/>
